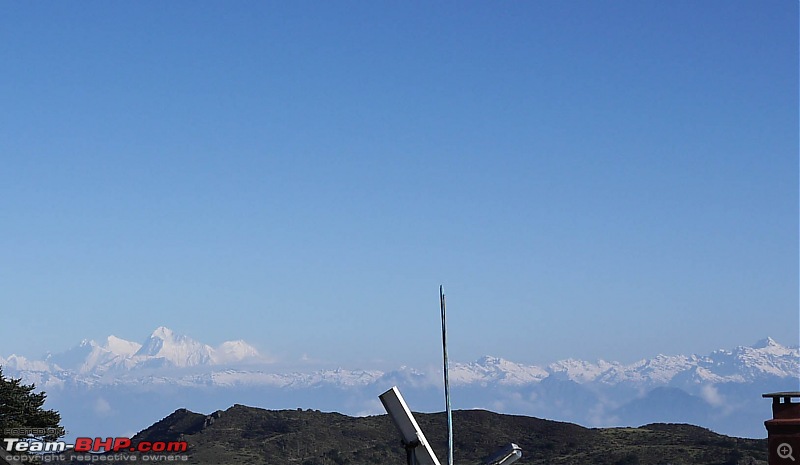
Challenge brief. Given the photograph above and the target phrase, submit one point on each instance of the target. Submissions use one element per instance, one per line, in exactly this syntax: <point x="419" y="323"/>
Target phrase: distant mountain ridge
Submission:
<point x="720" y="390"/>
<point x="162" y="349"/>
<point x="166" y="350"/>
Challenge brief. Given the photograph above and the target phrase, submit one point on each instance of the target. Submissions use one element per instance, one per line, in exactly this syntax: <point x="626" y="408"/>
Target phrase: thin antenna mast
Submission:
<point x="446" y="380"/>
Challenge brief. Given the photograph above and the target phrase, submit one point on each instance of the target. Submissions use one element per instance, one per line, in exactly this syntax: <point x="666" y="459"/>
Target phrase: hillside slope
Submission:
<point x="243" y="434"/>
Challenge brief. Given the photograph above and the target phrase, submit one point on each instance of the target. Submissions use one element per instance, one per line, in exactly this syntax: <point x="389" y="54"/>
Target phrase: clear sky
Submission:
<point x="589" y="179"/>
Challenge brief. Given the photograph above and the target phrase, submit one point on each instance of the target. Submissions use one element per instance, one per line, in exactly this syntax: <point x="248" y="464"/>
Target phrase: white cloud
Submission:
<point x="710" y="394"/>
<point x="101" y="407"/>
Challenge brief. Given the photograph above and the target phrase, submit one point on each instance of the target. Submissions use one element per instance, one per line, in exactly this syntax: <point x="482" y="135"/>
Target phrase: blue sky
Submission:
<point x="587" y="179"/>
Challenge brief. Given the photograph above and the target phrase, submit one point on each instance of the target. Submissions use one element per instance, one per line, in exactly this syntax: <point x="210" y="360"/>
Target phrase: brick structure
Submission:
<point x="783" y="430"/>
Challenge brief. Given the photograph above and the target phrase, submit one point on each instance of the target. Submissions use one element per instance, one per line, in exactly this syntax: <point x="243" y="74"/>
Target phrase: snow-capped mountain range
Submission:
<point x="237" y="362"/>
<point x="720" y="390"/>
<point x="162" y="349"/>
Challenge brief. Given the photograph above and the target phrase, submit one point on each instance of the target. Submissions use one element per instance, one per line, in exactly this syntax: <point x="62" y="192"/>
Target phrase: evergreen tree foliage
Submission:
<point x="21" y="407"/>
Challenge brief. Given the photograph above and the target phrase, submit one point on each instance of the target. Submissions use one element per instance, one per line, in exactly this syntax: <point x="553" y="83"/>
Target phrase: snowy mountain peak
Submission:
<point x="487" y="360"/>
<point x="164" y="347"/>
<point x="20" y="363"/>
<point x="764" y="343"/>
<point x="719" y="382"/>
<point x="496" y="369"/>
<point x="235" y="351"/>
<point x="162" y="332"/>
<point x="120" y="346"/>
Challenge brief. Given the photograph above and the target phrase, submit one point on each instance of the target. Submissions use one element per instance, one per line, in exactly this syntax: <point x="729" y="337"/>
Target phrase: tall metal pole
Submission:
<point x="446" y="381"/>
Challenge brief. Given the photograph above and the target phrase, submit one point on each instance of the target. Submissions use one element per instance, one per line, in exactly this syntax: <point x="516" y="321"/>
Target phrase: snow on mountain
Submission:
<point x="581" y="371"/>
<point x="99" y="359"/>
<point x="89" y="356"/>
<point x="344" y="378"/>
<point x="114" y="353"/>
<point x="20" y="363"/>
<point x="235" y="363"/>
<point x="338" y="378"/>
<point x="168" y="368"/>
<point x="122" y="347"/>
<point x="496" y="370"/>
<point x="766" y="357"/>
<point x="235" y="351"/>
<point x="249" y="378"/>
<point x="662" y="368"/>
<point x="411" y="377"/>
<point x="165" y="348"/>
<point x="74" y="357"/>
<point x="161" y="350"/>
<point x="179" y="351"/>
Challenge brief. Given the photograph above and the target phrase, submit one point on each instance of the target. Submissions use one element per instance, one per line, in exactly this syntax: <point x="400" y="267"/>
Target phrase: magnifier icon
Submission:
<point x="785" y="451"/>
